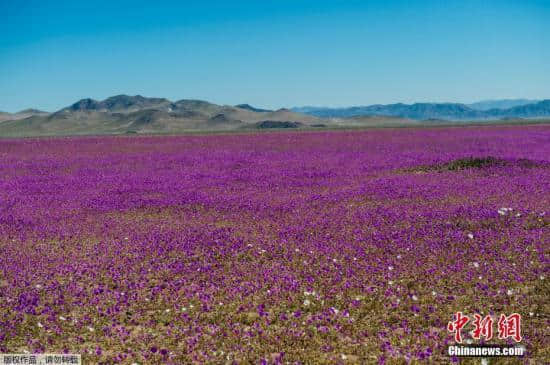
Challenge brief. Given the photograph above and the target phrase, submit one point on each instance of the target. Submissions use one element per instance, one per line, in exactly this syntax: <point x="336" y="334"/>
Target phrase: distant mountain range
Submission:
<point x="125" y="114"/>
<point x="446" y="111"/>
<point x="21" y="114"/>
<point x="500" y="104"/>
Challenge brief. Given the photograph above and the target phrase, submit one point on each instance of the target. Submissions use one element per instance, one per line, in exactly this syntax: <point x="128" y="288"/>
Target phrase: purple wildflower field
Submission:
<point x="308" y="247"/>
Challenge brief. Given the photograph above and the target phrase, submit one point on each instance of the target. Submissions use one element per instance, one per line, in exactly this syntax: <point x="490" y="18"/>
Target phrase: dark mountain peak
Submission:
<point x="118" y="103"/>
<point x="121" y="102"/>
<point x="123" y="98"/>
<point x="85" y="104"/>
<point x="190" y="103"/>
<point x="251" y="108"/>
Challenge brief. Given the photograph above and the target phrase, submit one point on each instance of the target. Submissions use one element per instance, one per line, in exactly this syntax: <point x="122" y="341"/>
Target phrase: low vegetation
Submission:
<point x="313" y="248"/>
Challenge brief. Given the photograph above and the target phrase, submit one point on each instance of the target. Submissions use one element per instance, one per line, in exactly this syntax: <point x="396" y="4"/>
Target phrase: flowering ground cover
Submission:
<point x="311" y="247"/>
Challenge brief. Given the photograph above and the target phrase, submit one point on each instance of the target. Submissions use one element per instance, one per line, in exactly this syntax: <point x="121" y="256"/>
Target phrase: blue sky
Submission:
<point x="273" y="53"/>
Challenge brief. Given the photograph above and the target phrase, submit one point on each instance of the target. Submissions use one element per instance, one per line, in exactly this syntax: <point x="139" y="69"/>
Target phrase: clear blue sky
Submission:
<point x="273" y="53"/>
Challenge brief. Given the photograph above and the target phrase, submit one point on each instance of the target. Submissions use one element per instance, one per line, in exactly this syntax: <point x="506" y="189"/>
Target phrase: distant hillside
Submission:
<point x="250" y="107"/>
<point x="500" y="104"/>
<point x="536" y="110"/>
<point x="123" y="114"/>
<point x="21" y="114"/>
<point x="119" y="103"/>
<point x="425" y="111"/>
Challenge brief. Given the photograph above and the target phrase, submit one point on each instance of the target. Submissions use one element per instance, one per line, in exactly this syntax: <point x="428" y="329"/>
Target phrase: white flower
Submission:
<point x="91" y="329"/>
<point x="541" y="277"/>
<point x="504" y="211"/>
<point x="414" y="297"/>
<point x="468" y="341"/>
<point x="297" y="250"/>
<point x="62" y="318"/>
<point x="40" y="325"/>
<point x="475" y="264"/>
<point x="390" y="282"/>
<point x="470" y="236"/>
<point x="355" y="259"/>
<point x="484" y="361"/>
<point x="480" y="277"/>
<point x="167" y="310"/>
<point x="399" y="256"/>
<point x="306" y="302"/>
<point x="38" y="286"/>
<point x="531" y="314"/>
<point x="518" y="215"/>
<point x="344" y="357"/>
<point x="334" y="260"/>
<point x="510" y="292"/>
<point x="183" y="309"/>
<point x="390" y="268"/>
<point x="250" y="245"/>
<point x="335" y="310"/>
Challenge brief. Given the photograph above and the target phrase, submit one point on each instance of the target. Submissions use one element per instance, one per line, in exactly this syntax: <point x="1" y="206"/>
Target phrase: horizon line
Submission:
<point x="289" y="107"/>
